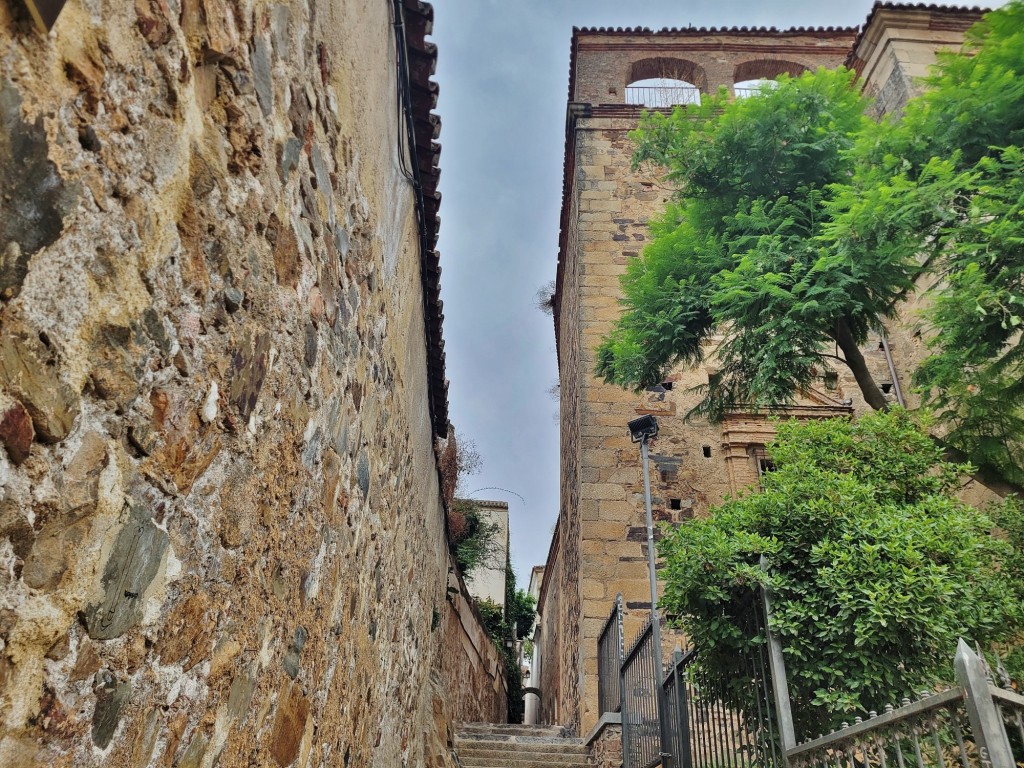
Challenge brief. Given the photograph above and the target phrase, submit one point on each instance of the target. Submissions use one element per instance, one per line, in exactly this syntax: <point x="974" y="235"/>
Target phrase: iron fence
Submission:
<point x="641" y="727"/>
<point x="677" y="700"/>
<point x="731" y="722"/>
<point x="975" y="725"/>
<point x="661" y="97"/>
<point x="609" y="661"/>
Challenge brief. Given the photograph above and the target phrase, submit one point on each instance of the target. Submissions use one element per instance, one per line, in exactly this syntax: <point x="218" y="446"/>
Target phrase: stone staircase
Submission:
<point x="484" y="745"/>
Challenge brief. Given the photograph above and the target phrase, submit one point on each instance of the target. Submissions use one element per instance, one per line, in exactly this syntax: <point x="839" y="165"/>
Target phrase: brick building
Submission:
<point x="599" y="544"/>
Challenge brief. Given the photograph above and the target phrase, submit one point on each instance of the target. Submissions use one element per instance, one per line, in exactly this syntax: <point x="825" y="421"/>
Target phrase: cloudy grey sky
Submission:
<point x="503" y="74"/>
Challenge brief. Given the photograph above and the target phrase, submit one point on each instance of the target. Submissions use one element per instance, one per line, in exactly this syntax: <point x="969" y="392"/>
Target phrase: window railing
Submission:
<point x="661" y="97"/>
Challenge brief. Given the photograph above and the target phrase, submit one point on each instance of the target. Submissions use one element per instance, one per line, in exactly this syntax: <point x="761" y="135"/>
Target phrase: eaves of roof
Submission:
<point x="422" y="58"/>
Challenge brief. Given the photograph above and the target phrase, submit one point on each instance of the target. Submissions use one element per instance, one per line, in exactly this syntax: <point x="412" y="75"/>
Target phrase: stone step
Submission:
<point x="504" y="740"/>
<point x="490" y="748"/>
<point x="491" y="745"/>
<point x="514" y="761"/>
<point x="512" y="729"/>
<point x="514" y="757"/>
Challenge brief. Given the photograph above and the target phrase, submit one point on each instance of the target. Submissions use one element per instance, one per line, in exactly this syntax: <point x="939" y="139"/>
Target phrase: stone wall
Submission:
<point x="221" y="532"/>
<point x="473" y="672"/>
<point x="548" y="637"/>
<point x="605" y="742"/>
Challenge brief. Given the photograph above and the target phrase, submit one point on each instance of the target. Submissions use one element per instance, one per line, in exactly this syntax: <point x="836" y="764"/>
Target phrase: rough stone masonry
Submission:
<point x="221" y="529"/>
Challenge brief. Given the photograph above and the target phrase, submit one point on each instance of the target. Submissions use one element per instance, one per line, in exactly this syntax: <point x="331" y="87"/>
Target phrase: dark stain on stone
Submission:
<point x="16" y="432"/>
<point x="262" y="76"/>
<point x="248" y="370"/>
<point x="294" y="654"/>
<point x="35" y="200"/>
<point x="131" y="567"/>
<point x="311" y="347"/>
<point x="155" y="329"/>
<point x="363" y="472"/>
<point x="111" y="696"/>
<point x="289" y="159"/>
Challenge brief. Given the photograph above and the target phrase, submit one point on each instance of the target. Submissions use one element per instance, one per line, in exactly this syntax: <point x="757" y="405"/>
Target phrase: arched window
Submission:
<point x="662" y="92"/>
<point x="752" y="77"/>
<point x="752" y="87"/>
<point x="665" y="82"/>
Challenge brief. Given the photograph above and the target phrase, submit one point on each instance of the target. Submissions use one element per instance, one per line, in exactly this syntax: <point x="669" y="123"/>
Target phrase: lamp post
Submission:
<point x="643" y="430"/>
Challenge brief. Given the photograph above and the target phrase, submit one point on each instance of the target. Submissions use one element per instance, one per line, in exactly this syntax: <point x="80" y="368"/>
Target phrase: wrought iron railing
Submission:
<point x="678" y="700"/>
<point x="641" y="727"/>
<point x="975" y="725"/>
<point x="730" y="725"/>
<point x="661" y="97"/>
<point x="609" y="661"/>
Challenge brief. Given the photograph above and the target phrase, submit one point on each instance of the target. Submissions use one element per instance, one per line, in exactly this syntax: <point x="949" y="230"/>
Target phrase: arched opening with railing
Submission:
<point x="752" y="77"/>
<point x="664" y="82"/>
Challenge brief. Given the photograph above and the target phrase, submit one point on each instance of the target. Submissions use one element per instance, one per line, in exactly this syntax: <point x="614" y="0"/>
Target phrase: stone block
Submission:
<point x="16" y="431"/>
<point x="130" y="568"/>
<point x="27" y="373"/>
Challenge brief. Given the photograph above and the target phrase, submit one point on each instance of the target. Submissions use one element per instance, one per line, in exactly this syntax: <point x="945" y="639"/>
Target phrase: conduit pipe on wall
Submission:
<point x="892" y="369"/>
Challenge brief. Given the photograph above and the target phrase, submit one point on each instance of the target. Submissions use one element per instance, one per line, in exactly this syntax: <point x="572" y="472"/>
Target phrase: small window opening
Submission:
<point x="886" y="387"/>
<point x="707" y="451"/>
<point x="762" y="462"/>
<point x="675" y="504"/>
<point x="831" y="380"/>
<point x="662" y="92"/>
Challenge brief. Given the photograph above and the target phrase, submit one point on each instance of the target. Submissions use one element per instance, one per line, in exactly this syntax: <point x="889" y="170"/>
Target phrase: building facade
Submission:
<point x="599" y="545"/>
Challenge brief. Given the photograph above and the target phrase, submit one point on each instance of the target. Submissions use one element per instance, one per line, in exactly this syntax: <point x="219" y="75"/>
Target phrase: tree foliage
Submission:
<point x="474" y="537"/>
<point x="739" y="252"/>
<point x="876" y="568"/>
<point x="800" y="224"/>
<point x="946" y="180"/>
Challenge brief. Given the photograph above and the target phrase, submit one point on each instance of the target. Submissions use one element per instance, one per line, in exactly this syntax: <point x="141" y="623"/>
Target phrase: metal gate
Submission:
<point x="674" y="719"/>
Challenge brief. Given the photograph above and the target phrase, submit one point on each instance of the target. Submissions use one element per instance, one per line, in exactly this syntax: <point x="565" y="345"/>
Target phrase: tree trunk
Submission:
<point x="855" y="360"/>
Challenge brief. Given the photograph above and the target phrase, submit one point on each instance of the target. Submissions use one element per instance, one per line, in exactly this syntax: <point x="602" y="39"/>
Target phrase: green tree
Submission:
<point x="946" y="181"/>
<point x="475" y="538"/>
<point x="739" y="251"/>
<point x="875" y="566"/>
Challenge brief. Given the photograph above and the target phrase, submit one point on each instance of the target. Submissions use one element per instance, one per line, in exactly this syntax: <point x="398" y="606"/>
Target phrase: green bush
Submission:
<point x="875" y="566"/>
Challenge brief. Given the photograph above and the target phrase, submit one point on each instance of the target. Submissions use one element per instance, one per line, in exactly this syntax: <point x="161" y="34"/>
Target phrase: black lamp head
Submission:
<point x="643" y="428"/>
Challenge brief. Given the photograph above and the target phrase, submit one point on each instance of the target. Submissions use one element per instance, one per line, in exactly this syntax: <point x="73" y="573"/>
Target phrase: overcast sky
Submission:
<point x="503" y="71"/>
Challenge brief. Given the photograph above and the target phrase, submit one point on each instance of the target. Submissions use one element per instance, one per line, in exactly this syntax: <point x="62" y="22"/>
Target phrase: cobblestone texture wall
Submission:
<point x="606" y="747"/>
<point x="221" y="537"/>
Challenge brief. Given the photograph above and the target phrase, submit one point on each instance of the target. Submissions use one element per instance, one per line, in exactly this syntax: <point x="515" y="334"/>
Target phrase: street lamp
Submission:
<point x="643" y="430"/>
